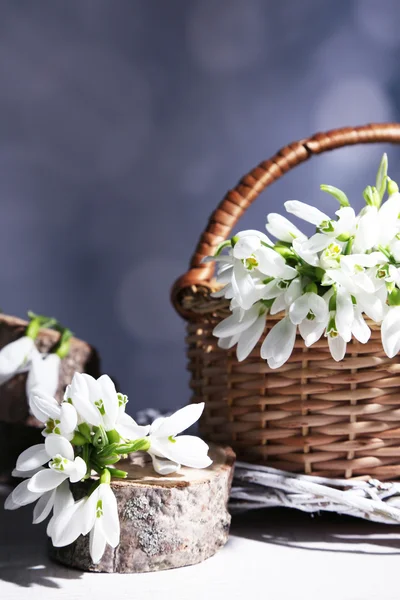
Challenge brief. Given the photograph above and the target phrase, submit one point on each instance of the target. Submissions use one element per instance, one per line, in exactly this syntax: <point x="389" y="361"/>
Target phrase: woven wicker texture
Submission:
<point x="312" y="415"/>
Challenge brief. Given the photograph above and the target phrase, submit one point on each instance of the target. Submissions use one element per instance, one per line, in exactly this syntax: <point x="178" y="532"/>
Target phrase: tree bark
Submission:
<point x="166" y="522"/>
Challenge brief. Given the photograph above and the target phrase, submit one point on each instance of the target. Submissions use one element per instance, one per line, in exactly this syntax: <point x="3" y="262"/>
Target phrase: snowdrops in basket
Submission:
<point x="86" y="436"/>
<point x="325" y="284"/>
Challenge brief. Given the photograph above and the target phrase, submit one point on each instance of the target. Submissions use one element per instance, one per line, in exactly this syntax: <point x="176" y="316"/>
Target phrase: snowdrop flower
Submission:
<point x="279" y="343"/>
<point x="169" y="452"/>
<point x="97" y="514"/>
<point x="43" y="374"/>
<point x="310" y="312"/>
<point x="282" y="228"/>
<point x="98" y="403"/>
<point x="54" y="500"/>
<point x="59" y="419"/>
<point x="310" y="306"/>
<point x="15" y="357"/>
<point x="44" y="482"/>
<point x="63" y="464"/>
<point x="243" y="328"/>
<point x="337" y="345"/>
<point x="345" y="223"/>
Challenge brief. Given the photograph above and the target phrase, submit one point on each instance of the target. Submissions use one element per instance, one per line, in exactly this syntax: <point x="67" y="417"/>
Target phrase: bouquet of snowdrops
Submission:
<point x="85" y="437"/>
<point x="324" y="284"/>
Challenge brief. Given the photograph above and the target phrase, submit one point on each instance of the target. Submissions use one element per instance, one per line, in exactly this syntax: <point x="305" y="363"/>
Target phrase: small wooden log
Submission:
<point x="19" y="429"/>
<point x="166" y="522"/>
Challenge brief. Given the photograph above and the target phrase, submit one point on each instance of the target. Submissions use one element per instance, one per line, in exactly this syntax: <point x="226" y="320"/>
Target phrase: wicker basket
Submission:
<point x="312" y="415"/>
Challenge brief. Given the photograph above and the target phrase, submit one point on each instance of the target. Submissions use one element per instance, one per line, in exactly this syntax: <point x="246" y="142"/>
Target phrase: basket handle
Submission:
<point x="237" y="201"/>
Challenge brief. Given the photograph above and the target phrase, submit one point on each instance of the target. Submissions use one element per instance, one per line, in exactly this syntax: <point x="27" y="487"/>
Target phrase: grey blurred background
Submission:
<point x="123" y="123"/>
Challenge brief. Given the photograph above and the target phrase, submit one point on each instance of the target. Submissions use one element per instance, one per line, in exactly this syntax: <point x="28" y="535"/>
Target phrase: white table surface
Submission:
<point x="277" y="554"/>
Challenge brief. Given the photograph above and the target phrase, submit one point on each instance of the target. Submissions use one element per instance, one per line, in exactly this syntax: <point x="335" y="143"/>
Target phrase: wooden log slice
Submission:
<point x="19" y="429"/>
<point x="166" y="522"/>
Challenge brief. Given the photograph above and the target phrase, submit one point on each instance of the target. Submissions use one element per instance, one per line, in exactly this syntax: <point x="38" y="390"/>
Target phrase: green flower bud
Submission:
<point x="392" y="187"/>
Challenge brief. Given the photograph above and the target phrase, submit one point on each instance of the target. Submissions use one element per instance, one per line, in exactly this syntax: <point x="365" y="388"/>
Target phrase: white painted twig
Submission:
<point x="259" y="486"/>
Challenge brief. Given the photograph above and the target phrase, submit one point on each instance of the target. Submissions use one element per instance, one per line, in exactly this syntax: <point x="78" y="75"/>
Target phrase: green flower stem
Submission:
<point x="33" y="329"/>
<point x="105" y="477"/>
<point x="336" y="193"/>
<point x="103" y="461"/>
<point x="36" y="323"/>
<point x="117" y="473"/>
<point x="107" y="450"/>
<point x="84" y="429"/>
<point x="113" y="436"/>
<point x="79" y="439"/>
<point x="394" y="297"/>
<point x="136" y="446"/>
<point x="63" y="347"/>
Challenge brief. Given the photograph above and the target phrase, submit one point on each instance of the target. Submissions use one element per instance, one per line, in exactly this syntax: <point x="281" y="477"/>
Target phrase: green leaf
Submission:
<point x="336" y="193"/>
<point x="381" y="176"/>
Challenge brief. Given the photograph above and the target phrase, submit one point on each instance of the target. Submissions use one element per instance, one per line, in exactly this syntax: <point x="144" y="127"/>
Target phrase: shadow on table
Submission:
<point x="327" y="532"/>
<point x="23" y="552"/>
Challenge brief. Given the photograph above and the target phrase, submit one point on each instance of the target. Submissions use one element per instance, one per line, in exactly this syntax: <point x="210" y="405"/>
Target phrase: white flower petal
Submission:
<point x="164" y="466"/>
<point x="278" y="345"/>
<point x="359" y="328"/>
<point x="306" y="212"/>
<point x="317" y="242"/>
<point x="129" y="429"/>
<point x="337" y="346"/>
<point x="390" y="332"/>
<point x="79" y="394"/>
<point x="228" y="342"/>
<point x="282" y="228"/>
<point x="43" y="375"/>
<point x="68" y="419"/>
<point x="43" y="507"/>
<point x="97" y="542"/>
<point x="14" y="355"/>
<point x="110" y="401"/>
<point x="245" y="289"/>
<point x="346" y="222"/>
<point x="187" y="450"/>
<point x="253" y="232"/>
<point x="46" y="480"/>
<point x="44" y="407"/>
<point x="367" y="231"/>
<point x="319" y="307"/>
<point x="246" y="246"/>
<point x="78" y="471"/>
<point x="344" y="314"/>
<point x="68" y="524"/>
<point x="311" y="331"/>
<point x="232" y="325"/>
<point x="110" y="519"/>
<point x="32" y="458"/>
<point x="278" y="305"/>
<point x="249" y="338"/>
<point x="182" y="419"/>
<point x="301" y="248"/>
<point x="299" y="309"/>
<point x="56" y="444"/>
<point x="21" y="496"/>
<point x="294" y="291"/>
